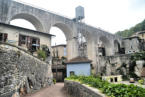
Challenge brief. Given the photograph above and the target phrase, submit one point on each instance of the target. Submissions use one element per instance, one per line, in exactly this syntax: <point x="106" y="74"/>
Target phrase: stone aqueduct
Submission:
<point x="43" y="20"/>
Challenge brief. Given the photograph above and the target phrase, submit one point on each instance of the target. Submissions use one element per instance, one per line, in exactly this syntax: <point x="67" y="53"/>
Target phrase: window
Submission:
<point x="116" y="80"/>
<point x="111" y="79"/>
<point x="22" y="40"/>
<point x="3" y="37"/>
<point x="72" y="73"/>
<point x="29" y="42"/>
<point x="102" y="51"/>
<point x="64" y="51"/>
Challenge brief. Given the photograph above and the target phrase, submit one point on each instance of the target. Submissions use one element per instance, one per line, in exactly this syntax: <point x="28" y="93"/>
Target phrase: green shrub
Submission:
<point x="138" y="56"/>
<point x="54" y="81"/>
<point x="111" y="90"/>
<point x="141" y="81"/>
<point x="41" y="54"/>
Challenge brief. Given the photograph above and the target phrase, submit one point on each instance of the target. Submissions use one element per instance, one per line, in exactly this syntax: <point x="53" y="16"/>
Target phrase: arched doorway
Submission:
<point x="116" y="47"/>
<point x="104" y="46"/>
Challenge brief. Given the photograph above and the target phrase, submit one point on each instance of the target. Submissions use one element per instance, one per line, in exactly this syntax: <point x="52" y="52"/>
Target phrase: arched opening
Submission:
<point x="104" y="46"/>
<point x="116" y="47"/>
<point x="27" y="21"/>
<point x="23" y="23"/>
<point x="59" y="50"/>
<point x="59" y="36"/>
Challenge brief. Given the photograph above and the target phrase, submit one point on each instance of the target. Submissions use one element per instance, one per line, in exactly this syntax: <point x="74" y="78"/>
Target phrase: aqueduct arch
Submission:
<point x="66" y="30"/>
<point x="43" y="20"/>
<point x="32" y="19"/>
<point x="71" y="43"/>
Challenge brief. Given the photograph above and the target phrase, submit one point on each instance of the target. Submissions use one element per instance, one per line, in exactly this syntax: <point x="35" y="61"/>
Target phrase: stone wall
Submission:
<point x="75" y="89"/>
<point x="21" y="73"/>
<point x="112" y="65"/>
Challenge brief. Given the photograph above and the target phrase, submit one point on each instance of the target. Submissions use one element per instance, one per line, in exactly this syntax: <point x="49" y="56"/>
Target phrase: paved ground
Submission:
<point x="56" y="90"/>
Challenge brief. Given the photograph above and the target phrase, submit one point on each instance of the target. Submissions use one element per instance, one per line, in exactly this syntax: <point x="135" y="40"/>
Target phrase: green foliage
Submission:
<point x="54" y="81"/>
<point x="129" y="32"/>
<point x="138" y="56"/>
<point x="45" y="48"/>
<point x="63" y="59"/>
<point x="141" y="81"/>
<point x="111" y="90"/>
<point x="41" y="54"/>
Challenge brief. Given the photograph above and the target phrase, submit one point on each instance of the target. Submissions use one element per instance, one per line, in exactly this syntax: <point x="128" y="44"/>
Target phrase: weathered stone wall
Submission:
<point x="21" y="72"/>
<point x="75" y="89"/>
<point x="111" y="65"/>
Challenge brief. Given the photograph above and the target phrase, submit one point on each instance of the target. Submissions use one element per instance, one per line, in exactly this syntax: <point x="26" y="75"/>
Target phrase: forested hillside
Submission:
<point x="132" y="30"/>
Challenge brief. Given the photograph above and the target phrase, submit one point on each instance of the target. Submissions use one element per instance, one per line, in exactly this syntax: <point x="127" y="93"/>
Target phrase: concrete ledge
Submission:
<point x="75" y="89"/>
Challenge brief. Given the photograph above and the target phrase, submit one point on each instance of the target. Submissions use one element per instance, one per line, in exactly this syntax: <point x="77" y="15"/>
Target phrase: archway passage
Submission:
<point x="59" y="36"/>
<point x="104" y="46"/>
<point x="59" y="50"/>
<point x="116" y="47"/>
<point x="30" y="18"/>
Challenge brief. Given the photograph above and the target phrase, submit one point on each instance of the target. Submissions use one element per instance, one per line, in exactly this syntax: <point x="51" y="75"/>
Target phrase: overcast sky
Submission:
<point x="110" y="15"/>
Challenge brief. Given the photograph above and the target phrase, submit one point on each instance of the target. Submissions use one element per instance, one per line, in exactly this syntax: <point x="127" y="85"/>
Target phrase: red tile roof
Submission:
<point x="79" y="59"/>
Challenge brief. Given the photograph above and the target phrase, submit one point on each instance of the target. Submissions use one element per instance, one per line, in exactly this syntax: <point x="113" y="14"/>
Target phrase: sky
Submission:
<point x="110" y="15"/>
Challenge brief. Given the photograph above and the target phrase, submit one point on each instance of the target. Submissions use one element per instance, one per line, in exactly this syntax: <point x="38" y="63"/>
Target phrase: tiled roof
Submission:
<point x="143" y="72"/>
<point x="26" y="29"/>
<point x="141" y="32"/>
<point x="79" y="59"/>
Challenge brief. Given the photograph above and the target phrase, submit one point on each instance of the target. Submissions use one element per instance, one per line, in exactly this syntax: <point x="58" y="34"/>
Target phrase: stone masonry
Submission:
<point x="21" y="73"/>
<point x="75" y="89"/>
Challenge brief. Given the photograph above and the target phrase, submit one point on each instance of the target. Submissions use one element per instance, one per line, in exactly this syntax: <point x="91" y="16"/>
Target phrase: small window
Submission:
<point x="3" y="37"/>
<point x="72" y="73"/>
<point x="116" y="80"/>
<point x="111" y="79"/>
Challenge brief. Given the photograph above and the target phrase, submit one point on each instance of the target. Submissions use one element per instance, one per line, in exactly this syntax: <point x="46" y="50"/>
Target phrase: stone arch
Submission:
<point x="116" y="47"/>
<point x="31" y="18"/>
<point x="66" y="30"/>
<point x="71" y="43"/>
<point x="104" y="46"/>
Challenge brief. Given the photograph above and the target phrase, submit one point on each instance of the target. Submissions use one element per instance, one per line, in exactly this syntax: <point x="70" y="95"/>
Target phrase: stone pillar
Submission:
<point x="91" y="50"/>
<point x="4" y="10"/>
<point x="72" y="48"/>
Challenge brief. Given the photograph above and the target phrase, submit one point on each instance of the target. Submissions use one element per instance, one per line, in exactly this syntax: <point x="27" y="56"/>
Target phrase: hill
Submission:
<point x="132" y="30"/>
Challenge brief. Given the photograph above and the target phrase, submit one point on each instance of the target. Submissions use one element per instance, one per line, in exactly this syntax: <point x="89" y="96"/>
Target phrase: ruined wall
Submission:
<point x="131" y="45"/>
<point x="21" y="72"/>
<point x="112" y="65"/>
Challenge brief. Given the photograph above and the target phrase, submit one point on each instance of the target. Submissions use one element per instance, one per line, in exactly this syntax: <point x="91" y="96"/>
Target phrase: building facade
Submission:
<point x="78" y="66"/>
<point x="25" y="38"/>
<point x="59" y="51"/>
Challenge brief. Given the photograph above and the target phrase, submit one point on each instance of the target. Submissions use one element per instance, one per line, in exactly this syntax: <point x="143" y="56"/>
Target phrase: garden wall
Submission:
<point x="75" y="89"/>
